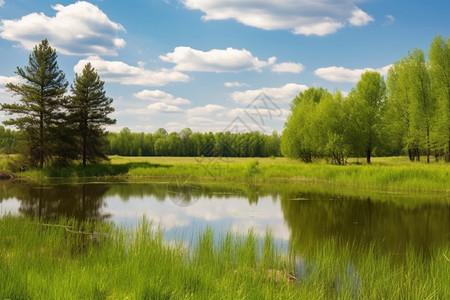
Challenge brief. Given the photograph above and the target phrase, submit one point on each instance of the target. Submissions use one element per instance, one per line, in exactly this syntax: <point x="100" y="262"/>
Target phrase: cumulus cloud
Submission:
<point x="359" y="18"/>
<point x="9" y="79"/>
<point x="328" y="26"/>
<point x="76" y="29"/>
<point x="235" y="84"/>
<point x="2" y="2"/>
<point x="278" y="95"/>
<point x="152" y="109"/>
<point x="206" y="110"/>
<point x="200" y="121"/>
<point x="341" y="74"/>
<point x="164" y="107"/>
<point x="117" y="71"/>
<point x="5" y="96"/>
<point x="288" y="67"/>
<point x="307" y="17"/>
<point x="164" y="103"/>
<point x="215" y="60"/>
<point x="160" y="96"/>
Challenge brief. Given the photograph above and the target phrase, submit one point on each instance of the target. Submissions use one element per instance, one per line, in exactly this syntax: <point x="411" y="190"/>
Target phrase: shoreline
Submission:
<point x="388" y="175"/>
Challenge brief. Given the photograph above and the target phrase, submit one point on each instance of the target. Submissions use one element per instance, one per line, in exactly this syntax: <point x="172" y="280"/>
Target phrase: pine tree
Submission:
<point x="88" y="111"/>
<point x="40" y="104"/>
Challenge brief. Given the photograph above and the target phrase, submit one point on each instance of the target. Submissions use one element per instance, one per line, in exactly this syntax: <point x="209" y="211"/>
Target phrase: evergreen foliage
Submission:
<point x="88" y="111"/>
<point x="54" y="126"/>
<point x="40" y="105"/>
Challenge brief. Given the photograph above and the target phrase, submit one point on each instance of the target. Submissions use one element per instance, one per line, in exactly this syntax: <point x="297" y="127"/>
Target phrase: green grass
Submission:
<point x="385" y="173"/>
<point x="389" y="174"/>
<point x="58" y="261"/>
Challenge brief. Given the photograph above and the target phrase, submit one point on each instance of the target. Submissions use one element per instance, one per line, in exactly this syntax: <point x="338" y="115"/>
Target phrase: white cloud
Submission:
<point x="207" y="110"/>
<point x="321" y="28"/>
<point x="341" y="74"/>
<point x="77" y="29"/>
<point x="344" y="93"/>
<point x="117" y="71"/>
<point x="283" y="94"/>
<point x="2" y="2"/>
<point x="200" y="121"/>
<point x="163" y="107"/>
<point x="307" y="17"/>
<point x="359" y="18"/>
<point x="160" y="96"/>
<point x="235" y="84"/>
<point x="278" y="230"/>
<point x="6" y="96"/>
<point x="288" y="67"/>
<point x="152" y="109"/>
<point x="164" y="103"/>
<point x="174" y="126"/>
<point x="390" y="19"/>
<point x="215" y="60"/>
<point x="9" y="79"/>
<point x="141" y="64"/>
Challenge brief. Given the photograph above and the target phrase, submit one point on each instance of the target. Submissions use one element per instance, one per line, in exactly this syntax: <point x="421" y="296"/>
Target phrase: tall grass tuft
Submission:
<point x="71" y="260"/>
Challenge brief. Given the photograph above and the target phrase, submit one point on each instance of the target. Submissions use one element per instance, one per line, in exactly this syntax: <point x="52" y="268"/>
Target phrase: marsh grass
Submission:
<point x="71" y="260"/>
<point x="387" y="174"/>
<point x="100" y="170"/>
<point x="394" y="174"/>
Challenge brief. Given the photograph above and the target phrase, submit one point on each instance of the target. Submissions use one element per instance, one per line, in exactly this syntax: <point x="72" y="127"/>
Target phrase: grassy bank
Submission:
<point x="384" y="173"/>
<point x="47" y="261"/>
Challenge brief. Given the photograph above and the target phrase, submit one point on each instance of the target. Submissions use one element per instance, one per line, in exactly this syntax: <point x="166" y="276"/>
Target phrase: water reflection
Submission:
<point x="305" y="217"/>
<point x="364" y="222"/>
<point x="82" y="202"/>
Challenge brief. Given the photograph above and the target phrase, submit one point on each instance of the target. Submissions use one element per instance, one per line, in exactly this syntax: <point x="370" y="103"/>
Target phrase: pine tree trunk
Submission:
<point x="41" y="141"/>
<point x="84" y="147"/>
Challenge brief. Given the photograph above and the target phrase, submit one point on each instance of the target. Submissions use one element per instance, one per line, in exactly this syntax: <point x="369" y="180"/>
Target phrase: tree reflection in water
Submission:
<point x="81" y="202"/>
<point x="314" y="215"/>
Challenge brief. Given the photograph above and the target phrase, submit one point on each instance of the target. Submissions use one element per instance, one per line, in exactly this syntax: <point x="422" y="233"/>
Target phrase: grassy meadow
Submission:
<point x="387" y="173"/>
<point x="70" y="260"/>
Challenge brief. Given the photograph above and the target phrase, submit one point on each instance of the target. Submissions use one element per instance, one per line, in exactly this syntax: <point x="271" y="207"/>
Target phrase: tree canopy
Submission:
<point x="88" y="111"/>
<point x="51" y="123"/>
<point x="40" y="103"/>
<point x="409" y="113"/>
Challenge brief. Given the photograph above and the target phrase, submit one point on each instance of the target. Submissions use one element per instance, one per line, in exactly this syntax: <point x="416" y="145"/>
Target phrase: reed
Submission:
<point x="71" y="260"/>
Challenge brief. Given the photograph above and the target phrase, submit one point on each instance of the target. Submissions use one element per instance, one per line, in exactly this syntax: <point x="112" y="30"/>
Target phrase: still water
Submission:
<point x="294" y="213"/>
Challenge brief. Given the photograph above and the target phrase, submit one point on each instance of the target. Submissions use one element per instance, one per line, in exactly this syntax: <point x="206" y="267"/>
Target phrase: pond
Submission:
<point x="295" y="214"/>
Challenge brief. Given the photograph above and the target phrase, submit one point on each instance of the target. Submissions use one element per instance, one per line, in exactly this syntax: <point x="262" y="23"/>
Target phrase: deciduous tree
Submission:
<point x="365" y="107"/>
<point x="439" y="57"/>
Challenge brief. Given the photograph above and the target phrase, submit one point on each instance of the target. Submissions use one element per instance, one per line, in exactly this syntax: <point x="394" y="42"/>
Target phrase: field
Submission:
<point x="389" y="174"/>
<point x="70" y="260"/>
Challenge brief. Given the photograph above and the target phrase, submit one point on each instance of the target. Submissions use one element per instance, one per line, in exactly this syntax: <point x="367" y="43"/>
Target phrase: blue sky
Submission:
<point x="203" y="64"/>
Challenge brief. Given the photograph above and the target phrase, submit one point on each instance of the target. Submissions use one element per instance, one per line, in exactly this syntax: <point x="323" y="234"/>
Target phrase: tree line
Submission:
<point x="188" y="143"/>
<point x="409" y="113"/>
<point x="8" y="141"/>
<point x="54" y="126"/>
